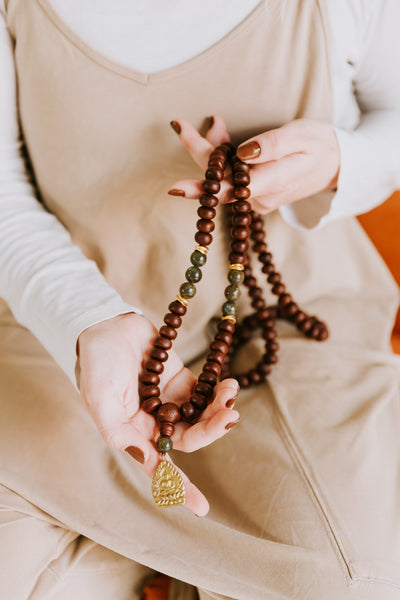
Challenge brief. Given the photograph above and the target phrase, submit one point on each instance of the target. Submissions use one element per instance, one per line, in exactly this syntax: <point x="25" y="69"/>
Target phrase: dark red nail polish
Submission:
<point x="136" y="453"/>
<point x="249" y="151"/>
<point x="230" y="402"/>
<point x="230" y="425"/>
<point x="175" y="192"/>
<point x="176" y="127"/>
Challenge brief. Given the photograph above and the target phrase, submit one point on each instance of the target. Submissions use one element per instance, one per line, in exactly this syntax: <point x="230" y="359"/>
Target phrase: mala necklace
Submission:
<point x="167" y="486"/>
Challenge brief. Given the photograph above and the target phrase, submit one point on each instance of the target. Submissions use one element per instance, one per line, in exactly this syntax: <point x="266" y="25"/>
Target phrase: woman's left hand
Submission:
<point x="289" y="163"/>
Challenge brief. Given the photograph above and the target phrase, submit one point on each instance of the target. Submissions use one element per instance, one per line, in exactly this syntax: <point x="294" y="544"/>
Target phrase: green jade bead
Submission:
<point x="187" y="290"/>
<point x="235" y="276"/>
<point x="228" y="308"/>
<point x="232" y="292"/>
<point x="198" y="259"/>
<point x="193" y="274"/>
<point x="164" y="444"/>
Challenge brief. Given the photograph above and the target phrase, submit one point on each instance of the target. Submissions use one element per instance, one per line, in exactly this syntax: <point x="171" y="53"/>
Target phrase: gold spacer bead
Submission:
<point x="202" y="249"/>
<point x="231" y="318"/>
<point x="181" y="300"/>
<point x="237" y="267"/>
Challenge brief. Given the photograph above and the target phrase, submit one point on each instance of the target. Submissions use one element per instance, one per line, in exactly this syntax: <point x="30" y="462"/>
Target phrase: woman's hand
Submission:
<point x="111" y="355"/>
<point x="292" y="162"/>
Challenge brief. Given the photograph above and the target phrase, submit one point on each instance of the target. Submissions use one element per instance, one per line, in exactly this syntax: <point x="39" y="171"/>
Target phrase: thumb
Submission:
<point x="273" y="144"/>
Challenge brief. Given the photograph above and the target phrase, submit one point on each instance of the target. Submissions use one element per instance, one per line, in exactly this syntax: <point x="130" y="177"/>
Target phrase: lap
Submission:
<point x="303" y="492"/>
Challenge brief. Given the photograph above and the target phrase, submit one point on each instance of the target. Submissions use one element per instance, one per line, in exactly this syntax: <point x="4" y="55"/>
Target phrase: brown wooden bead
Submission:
<point x="258" y="303"/>
<point x="203" y="388"/>
<point x="260" y="247"/>
<point x="225" y="325"/>
<point x="254" y="377"/>
<point x="240" y="167"/>
<point x="205" y="225"/>
<point x="263" y="369"/>
<point x="257" y="236"/>
<point x="263" y="314"/>
<point x="270" y="358"/>
<point x="240" y="178"/>
<point x="154" y="365"/>
<point x="255" y="292"/>
<point x="219" y="346"/>
<point x="159" y="354"/>
<point x="168" y="332"/>
<point x="268" y="268"/>
<point x="172" y="320"/>
<point x="208" y="378"/>
<point x="241" y="233"/>
<point x="167" y="429"/>
<point x="217" y="163"/>
<point x="177" y="308"/>
<point x="299" y="317"/>
<point x="242" y="219"/>
<point x="224" y="336"/>
<point x="269" y="323"/>
<point x="150" y="378"/>
<point x="242" y="206"/>
<point x="243" y="381"/>
<point x="273" y="346"/>
<point x="212" y="367"/>
<point x="236" y="258"/>
<point x="274" y="277"/>
<point x="149" y="391"/>
<point x="211" y="186"/>
<point x="250" y="281"/>
<point x="242" y="193"/>
<point x="284" y="300"/>
<point x="323" y="334"/>
<point x="168" y="413"/>
<point x="208" y="200"/>
<point x="162" y="342"/>
<point x="204" y="239"/>
<point x="206" y="213"/>
<point x="240" y="246"/>
<point x="188" y="412"/>
<point x="216" y="356"/>
<point x="215" y="174"/>
<point x="269" y="334"/>
<point x="150" y="405"/>
<point x="291" y="309"/>
<point x="199" y="401"/>
<point x="265" y="257"/>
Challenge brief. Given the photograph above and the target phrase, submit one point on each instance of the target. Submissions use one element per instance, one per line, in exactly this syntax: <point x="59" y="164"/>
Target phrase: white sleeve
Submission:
<point x="48" y="283"/>
<point x="370" y="154"/>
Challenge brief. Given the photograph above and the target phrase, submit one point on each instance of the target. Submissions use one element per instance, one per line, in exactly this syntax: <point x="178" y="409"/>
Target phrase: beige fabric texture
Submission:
<point x="304" y="493"/>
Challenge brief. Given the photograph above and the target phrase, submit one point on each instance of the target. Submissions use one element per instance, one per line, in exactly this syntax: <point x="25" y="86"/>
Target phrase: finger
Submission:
<point x="198" y="147"/>
<point x="225" y="395"/>
<point x="218" y="133"/>
<point x="276" y="143"/>
<point x="132" y="441"/>
<point x="192" y="188"/>
<point x="283" y="181"/>
<point x="204" y="433"/>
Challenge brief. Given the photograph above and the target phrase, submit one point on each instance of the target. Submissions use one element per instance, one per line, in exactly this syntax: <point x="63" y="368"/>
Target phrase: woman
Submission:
<point x="292" y="512"/>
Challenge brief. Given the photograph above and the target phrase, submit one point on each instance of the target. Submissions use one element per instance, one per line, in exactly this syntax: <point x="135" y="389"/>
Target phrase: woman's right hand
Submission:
<point x="110" y="359"/>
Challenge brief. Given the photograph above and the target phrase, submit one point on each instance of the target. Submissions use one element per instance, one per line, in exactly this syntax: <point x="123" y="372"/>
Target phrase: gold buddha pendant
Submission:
<point x="167" y="486"/>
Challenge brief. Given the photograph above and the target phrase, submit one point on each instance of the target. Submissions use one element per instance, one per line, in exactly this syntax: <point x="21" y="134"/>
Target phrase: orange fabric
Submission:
<point x="383" y="227"/>
<point x="157" y="589"/>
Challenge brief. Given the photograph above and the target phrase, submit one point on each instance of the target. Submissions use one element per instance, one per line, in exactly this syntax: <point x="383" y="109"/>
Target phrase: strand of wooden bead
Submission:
<point x="169" y="413"/>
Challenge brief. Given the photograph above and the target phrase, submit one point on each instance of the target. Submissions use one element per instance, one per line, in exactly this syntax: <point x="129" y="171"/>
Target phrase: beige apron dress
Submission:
<point x="305" y="492"/>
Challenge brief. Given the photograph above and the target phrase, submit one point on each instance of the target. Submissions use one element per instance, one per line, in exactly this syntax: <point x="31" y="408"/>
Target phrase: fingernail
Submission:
<point x="231" y="402"/>
<point x="249" y="150"/>
<point x="210" y="122"/>
<point x="230" y="425"/>
<point x="176" y="127"/>
<point x="175" y="192"/>
<point x="136" y="453"/>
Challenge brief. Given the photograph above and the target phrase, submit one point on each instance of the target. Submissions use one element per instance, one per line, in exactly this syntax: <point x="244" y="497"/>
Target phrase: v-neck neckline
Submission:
<point x="134" y="74"/>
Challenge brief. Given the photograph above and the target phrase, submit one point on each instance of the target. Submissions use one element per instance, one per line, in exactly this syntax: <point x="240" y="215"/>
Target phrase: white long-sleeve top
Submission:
<point x="50" y="286"/>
